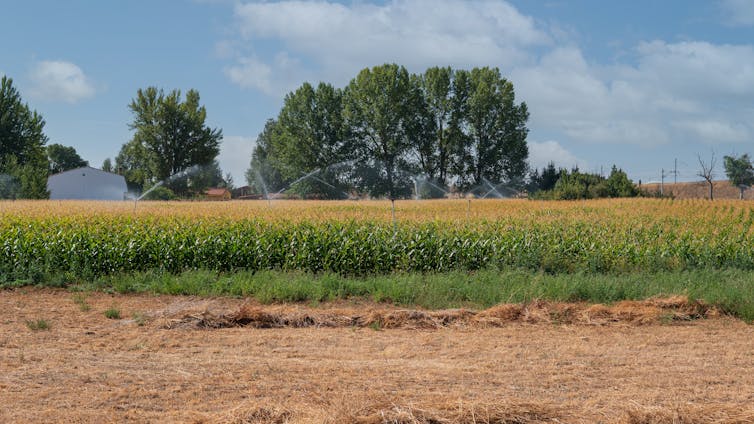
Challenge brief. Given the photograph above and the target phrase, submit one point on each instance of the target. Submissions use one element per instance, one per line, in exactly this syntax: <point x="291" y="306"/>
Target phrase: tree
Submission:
<point x="497" y="149"/>
<point x="228" y="181"/>
<point x="436" y="153"/>
<point x="22" y="141"/>
<point x="263" y="175"/>
<point x="618" y="185"/>
<point x="707" y="171"/>
<point x="547" y="179"/>
<point x="62" y="158"/>
<point x="377" y="111"/>
<point x="311" y="138"/>
<point x="107" y="165"/>
<point x="740" y="172"/>
<point x="172" y="132"/>
<point x="207" y="176"/>
<point x="133" y="162"/>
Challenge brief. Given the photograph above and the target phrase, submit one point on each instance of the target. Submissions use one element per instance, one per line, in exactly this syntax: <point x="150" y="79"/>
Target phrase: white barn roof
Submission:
<point x="87" y="183"/>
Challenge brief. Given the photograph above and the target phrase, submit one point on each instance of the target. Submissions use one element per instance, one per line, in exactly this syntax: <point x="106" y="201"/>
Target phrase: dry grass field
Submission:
<point x="700" y="190"/>
<point x="182" y="359"/>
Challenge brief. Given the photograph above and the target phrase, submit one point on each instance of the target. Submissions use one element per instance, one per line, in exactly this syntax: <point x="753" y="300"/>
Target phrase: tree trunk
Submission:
<point x="741" y="193"/>
<point x="391" y="191"/>
<point x="710" y="190"/>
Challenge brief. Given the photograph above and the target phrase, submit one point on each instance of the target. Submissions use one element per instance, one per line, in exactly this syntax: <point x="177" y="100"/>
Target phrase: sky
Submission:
<point x="641" y="84"/>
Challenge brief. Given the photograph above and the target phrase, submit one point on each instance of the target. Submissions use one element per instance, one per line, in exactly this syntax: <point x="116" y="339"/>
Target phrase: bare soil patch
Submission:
<point x="182" y="359"/>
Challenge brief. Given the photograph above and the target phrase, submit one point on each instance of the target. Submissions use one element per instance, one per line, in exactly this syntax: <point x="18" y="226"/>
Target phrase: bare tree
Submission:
<point x="708" y="171"/>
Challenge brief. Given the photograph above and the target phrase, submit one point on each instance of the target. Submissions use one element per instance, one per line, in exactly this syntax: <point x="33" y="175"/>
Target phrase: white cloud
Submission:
<point x="690" y="91"/>
<point x="542" y="153"/>
<point x="342" y="39"/>
<point x="234" y="157"/>
<point x="739" y="12"/>
<point x="716" y="131"/>
<point x="281" y="76"/>
<point x="60" y="81"/>
<point x="662" y="93"/>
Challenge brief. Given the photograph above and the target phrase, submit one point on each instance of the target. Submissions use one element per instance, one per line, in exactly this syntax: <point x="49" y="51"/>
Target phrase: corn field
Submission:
<point x="90" y="239"/>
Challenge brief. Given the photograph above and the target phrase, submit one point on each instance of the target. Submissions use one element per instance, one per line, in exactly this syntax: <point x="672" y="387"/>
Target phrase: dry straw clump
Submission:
<point x="657" y="310"/>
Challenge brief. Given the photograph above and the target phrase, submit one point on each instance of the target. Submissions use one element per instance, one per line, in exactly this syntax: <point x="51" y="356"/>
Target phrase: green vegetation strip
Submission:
<point x="95" y="247"/>
<point x="730" y="290"/>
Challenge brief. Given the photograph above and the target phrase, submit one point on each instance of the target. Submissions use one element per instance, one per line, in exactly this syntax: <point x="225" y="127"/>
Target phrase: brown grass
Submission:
<point x="699" y="190"/>
<point x="252" y="314"/>
<point x="534" y="363"/>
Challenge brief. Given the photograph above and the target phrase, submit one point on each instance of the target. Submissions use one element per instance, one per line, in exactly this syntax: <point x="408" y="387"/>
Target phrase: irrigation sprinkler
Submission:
<point x="395" y="223"/>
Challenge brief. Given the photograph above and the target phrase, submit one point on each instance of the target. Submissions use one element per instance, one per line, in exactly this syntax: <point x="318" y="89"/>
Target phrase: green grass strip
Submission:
<point x="731" y="290"/>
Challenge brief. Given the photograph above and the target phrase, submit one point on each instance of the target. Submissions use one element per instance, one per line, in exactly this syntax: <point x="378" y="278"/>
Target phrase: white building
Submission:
<point x="87" y="183"/>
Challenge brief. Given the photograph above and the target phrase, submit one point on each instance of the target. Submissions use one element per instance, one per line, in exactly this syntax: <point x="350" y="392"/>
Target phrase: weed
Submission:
<point x="80" y="300"/>
<point x="36" y="325"/>
<point x="112" y="313"/>
<point x="139" y="318"/>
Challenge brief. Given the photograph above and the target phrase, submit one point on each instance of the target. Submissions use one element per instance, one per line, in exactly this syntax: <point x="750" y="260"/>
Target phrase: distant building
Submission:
<point x="87" y="183"/>
<point x="245" y="193"/>
<point x="217" y="194"/>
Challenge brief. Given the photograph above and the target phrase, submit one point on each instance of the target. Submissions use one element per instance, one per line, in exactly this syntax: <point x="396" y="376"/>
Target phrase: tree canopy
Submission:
<point x="740" y="171"/>
<point x="580" y="185"/>
<point x="447" y="127"/>
<point x="170" y="136"/>
<point x="62" y="158"/>
<point x="23" y="162"/>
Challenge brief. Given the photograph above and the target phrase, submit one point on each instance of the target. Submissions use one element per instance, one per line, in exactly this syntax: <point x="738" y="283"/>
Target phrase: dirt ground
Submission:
<point x="181" y="359"/>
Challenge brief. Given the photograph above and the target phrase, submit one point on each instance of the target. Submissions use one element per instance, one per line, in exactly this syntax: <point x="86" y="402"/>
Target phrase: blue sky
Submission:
<point x="633" y="83"/>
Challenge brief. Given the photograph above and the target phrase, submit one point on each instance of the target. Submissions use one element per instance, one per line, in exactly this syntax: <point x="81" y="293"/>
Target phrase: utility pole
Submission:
<point x="675" y="171"/>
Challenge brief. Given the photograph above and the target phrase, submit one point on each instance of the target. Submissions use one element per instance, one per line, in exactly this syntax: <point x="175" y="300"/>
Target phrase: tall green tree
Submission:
<point x="62" y="158"/>
<point x="22" y="146"/>
<point x="107" y="165"/>
<point x="378" y="112"/>
<point x="172" y="131"/>
<point x="311" y="138"/>
<point x="263" y="175"/>
<point x="135" y="164"/>
<point x="445" y="92"/>
<point x="497" y="149"/>
<point x="740" y="172"/>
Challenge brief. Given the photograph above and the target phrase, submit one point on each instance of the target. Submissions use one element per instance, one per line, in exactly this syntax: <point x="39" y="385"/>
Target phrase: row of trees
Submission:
<point x="561" y="184"/>
<point x="387" y="126"/>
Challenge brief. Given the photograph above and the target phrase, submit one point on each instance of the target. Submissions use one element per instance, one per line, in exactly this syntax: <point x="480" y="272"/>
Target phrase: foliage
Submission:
<point x="133" y="163"/>
<point x="730" y="290"/>
<point x="22" y="151"/>
<point x="37" y="325"/>
<point x="170" y="137"/>
<point x="264" y="175"/>
<point x="578" y="185"/>
<point x="311" y="137"/>
<point x="107" y="165"/>
<point x="112" y="312"/>
<point x="497" y="150"/>
<point x="546" y="180"/>
<point x="556" y="237"/>
<point x="740" y="171"/>
<point x="378" y="110"/>
<point x="161" y="193"/>
<point x="444" y="126"/>
<point x="62" y="158"/>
